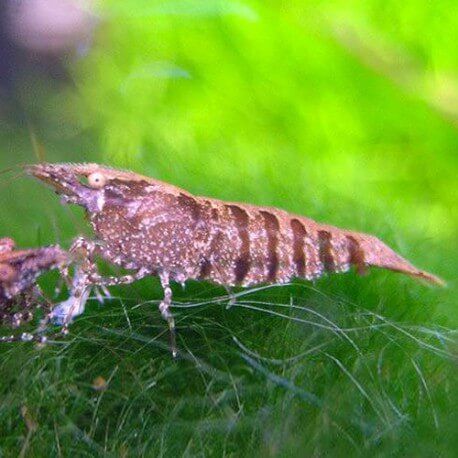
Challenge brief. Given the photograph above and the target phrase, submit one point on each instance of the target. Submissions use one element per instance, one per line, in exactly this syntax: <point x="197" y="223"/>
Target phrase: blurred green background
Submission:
<point x="346" y="112"/>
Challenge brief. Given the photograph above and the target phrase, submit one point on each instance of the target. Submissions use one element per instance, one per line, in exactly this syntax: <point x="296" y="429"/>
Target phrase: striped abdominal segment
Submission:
<point x="250" y="245"/>
<point x="272" y="229"/>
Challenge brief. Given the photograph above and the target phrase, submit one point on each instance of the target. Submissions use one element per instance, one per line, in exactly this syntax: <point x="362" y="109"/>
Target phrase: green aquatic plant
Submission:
<point x="340" y="111"/>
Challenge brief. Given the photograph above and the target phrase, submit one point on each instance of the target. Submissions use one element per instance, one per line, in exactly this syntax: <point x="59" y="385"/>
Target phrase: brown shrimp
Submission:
<point x="154" y="228"/>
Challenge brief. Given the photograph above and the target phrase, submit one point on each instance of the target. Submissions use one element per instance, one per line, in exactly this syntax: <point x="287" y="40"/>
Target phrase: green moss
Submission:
<point x="342" y="112"/>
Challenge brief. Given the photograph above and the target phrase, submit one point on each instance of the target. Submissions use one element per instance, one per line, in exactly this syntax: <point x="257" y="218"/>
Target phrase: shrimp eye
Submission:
<point x="7" y="273"/>
<point x="96" y="180"/>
